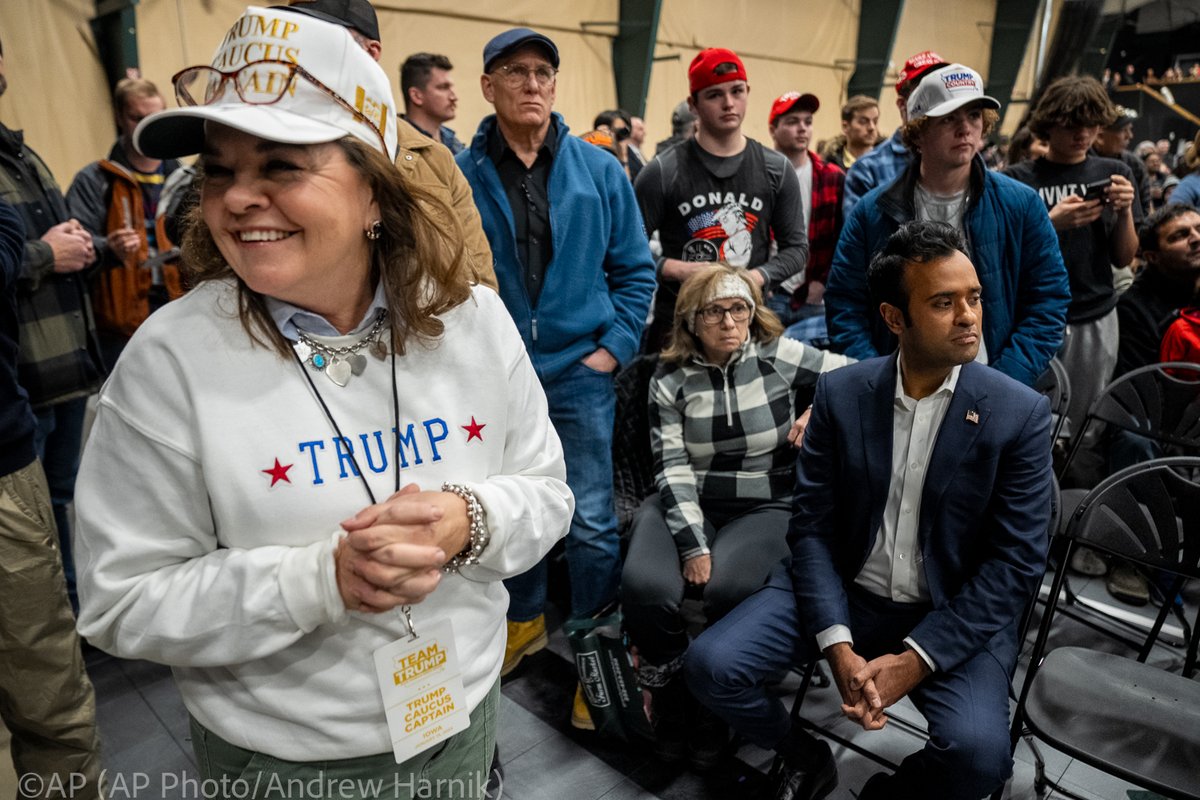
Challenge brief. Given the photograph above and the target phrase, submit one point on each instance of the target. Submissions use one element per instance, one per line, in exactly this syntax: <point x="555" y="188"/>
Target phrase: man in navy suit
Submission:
<point x="919" y="536"/>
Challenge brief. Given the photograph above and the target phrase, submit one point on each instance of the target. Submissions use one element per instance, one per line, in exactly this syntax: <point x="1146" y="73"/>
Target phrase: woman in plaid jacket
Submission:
<point x="723" y="425"/>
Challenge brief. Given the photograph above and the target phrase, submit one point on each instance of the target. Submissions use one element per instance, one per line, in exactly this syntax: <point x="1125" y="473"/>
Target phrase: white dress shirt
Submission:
<point x="894" y="568"/>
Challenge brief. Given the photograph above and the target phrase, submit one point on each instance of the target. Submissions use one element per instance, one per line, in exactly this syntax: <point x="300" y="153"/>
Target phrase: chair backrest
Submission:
<point x="1148" y="513"/>
<point x="633" y="461"/>
<point x="1158" y="401"/>
<point x="1055" y="384"/>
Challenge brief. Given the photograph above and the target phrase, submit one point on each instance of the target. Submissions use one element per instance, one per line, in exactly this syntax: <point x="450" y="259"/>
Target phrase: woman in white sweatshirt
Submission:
<point x="332" y="443"/>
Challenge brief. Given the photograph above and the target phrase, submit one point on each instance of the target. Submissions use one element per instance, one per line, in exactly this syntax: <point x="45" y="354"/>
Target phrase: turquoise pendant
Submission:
<point x="319" y="361"/>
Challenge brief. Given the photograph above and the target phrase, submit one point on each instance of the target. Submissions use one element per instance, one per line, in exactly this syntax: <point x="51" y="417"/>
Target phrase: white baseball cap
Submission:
<point x="299" y="80"/>
<point x="945" y="90"/>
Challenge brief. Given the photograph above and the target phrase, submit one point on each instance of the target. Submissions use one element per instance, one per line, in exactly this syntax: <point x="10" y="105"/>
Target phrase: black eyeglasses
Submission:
<point x="714" y="314"/>
<point x="258" y="83"/>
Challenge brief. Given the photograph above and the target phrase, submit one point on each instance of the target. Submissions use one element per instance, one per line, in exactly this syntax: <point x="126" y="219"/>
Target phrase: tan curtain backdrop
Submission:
<point x="59" y="95"/>
<point x="785" y="46"/>
<point x="1027" y="77"/>
<point x="56" y="87"/>
<point x="172" y="34"/>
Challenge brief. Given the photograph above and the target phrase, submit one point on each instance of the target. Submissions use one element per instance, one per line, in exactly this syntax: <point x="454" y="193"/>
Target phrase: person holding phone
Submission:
<point x="1090" y="200"/>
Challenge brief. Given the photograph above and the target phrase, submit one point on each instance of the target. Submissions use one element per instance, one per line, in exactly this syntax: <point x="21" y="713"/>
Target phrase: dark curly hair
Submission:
<point x="1072" y="102"/>
<point x="915" y="242"/>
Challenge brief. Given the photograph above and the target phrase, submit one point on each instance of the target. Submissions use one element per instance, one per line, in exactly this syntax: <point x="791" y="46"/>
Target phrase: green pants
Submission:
<point x="457" y="769"/>
<point x="46" y="699"/>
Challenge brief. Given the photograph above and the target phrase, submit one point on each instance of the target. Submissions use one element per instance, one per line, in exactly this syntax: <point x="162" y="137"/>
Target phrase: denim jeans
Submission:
<point x="582" y="407"/>
<point x="59" y="439"/>
<point x="806" y="324"/>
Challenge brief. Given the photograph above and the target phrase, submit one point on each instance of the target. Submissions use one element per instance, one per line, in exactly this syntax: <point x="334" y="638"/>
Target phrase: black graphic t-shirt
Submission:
<point x="712" y="208"/>
<point x="1085" y="249"/>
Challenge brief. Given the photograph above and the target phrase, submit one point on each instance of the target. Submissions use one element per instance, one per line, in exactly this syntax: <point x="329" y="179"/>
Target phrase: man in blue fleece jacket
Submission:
<point x="576" y="273"/>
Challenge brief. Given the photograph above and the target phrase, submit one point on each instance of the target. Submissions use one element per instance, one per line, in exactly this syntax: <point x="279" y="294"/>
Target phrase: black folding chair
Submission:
<point x="1122" y="715"/>
<point x="1160" y="403"/>
<point x="1055" y="384"/>
<point x="633" y="461"/>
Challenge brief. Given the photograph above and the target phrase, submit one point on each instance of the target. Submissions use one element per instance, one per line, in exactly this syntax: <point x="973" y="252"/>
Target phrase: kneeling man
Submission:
<point x="918" y="537"/>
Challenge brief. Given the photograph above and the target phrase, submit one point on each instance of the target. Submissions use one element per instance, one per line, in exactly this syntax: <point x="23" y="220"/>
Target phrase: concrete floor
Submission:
<point x="144" y="731"/>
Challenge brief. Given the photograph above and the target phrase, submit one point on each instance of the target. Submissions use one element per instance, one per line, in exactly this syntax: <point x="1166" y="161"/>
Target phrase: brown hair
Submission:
<point x="417" y="69"/>
<point x="910" y="134"/>
<point x="1019" y="146"/>
<point x="683" y="344"/>
<point x="857" y="103"/>
<point x="132" y="87"/>
<point x="1072" y="102"/>
<point x="420" y="257"/>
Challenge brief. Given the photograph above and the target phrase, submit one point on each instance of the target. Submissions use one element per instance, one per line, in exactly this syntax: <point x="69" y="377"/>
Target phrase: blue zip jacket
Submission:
<point x="600" y="278"/>
<point x="877" y="168"/>
<point x="1016" y="255"/>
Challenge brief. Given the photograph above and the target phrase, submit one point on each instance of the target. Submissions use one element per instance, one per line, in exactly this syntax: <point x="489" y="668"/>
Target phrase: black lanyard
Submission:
<point x="349" y="445"/>
<point x="405" y="610"/>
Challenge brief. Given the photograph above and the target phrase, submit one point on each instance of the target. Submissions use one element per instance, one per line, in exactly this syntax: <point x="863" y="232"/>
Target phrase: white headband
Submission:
<point x="730" y="286"/>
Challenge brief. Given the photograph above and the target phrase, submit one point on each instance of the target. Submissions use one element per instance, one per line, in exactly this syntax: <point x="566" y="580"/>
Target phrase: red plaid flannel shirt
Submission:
<point x="824" y="224"/>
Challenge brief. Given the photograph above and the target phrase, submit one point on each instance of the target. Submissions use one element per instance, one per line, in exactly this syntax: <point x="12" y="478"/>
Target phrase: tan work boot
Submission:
<point x="581" y="716"/>
<point x="524" y="639"/>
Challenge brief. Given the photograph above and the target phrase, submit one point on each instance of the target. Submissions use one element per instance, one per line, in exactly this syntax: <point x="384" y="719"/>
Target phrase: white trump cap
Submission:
<point x="281" y="76"/>
<point x="945" y="90"/>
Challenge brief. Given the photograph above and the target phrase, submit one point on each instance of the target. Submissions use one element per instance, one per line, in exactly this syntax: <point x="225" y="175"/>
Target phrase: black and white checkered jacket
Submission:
<point x="721" y="433"/>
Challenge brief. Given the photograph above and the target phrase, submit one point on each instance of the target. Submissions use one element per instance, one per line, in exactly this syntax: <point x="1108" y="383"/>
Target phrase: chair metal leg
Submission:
<point x="1039" y="770"/>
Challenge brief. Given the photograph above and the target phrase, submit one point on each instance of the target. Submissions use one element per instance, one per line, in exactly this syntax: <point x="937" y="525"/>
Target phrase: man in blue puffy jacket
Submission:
<point x="1008" y="233"/>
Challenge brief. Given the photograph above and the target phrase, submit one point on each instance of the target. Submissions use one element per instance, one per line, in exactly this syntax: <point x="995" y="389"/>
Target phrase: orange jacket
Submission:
<point x="121" y="295"/>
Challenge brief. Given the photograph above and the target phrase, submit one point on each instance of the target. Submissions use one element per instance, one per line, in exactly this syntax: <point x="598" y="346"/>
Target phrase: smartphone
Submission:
<point x="1095" y="190"/>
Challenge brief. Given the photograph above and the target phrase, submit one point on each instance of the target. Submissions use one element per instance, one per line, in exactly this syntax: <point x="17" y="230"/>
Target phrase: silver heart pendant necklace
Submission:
<point x="341" y="363"/>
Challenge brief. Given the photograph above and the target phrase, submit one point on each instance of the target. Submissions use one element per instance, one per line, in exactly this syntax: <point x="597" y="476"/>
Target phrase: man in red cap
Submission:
<point x="720" y="196"/>
<point x="880" y="166"/>
<point x="799" y="301"/>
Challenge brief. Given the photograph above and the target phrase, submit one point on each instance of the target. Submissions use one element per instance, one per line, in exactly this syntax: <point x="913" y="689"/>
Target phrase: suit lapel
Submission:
<point x="965" y="420"/>
<point x="875" y="410"/>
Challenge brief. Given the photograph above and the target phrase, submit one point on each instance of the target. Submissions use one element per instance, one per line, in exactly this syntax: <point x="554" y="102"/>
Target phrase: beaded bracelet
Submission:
<point x="479" y="534"/>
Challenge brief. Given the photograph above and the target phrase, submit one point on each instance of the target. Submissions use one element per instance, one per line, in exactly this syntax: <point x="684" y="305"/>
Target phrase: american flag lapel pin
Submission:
<point x="973" y="417"/>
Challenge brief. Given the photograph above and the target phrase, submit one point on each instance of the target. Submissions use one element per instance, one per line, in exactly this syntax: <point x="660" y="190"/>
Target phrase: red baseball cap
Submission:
<point x="792" y="101"/>
<point x="917" y="66"/>
<point x="712" y="66"/>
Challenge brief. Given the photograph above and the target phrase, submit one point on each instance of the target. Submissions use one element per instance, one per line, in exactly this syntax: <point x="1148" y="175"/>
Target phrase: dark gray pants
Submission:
<point x="744" y="549"/>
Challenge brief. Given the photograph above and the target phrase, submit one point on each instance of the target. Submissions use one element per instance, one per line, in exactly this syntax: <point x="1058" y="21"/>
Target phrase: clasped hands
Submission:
<point x="393" y="552"/>
<point x="71" y="246"/>
<point x="870" y="687"/>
